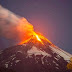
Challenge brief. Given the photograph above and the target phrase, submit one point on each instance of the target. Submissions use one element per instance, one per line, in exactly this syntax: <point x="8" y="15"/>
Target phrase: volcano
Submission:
<point x="34" y="53"/>
<point x="37" y="54"/>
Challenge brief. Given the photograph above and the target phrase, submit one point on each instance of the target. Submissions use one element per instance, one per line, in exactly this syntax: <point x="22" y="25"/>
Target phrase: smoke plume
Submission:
<point x="13" y="26"/>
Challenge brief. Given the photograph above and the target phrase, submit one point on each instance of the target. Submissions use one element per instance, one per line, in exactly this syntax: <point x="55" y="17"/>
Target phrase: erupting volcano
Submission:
<point x="34" y="53"/>
<point x="30" y="33"/>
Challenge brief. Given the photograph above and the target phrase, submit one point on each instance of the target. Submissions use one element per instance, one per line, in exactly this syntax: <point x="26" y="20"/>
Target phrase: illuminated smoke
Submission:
<point x="13" y="26"/>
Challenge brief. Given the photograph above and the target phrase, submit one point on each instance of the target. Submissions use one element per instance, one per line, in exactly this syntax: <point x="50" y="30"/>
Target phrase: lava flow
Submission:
<point x="35" y="37"/>
<point x="31" y="34"/>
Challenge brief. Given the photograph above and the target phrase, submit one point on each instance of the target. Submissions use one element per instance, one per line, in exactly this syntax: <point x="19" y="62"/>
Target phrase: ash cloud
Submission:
<point x="13" y="26"/>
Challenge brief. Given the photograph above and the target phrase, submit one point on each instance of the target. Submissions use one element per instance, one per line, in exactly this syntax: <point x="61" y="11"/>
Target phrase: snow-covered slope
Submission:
<point x="31" y="57"/>
<point x="61" y="52"/>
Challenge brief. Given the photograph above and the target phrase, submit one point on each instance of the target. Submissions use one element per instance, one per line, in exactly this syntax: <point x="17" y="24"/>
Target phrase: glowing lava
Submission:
<point x="36" y="38"/>
<point x="36" y="35"/>
<point x="29" y="33"/>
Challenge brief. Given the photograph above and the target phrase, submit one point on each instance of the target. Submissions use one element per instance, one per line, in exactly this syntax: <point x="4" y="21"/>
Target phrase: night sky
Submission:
<point x="53" y="18"/>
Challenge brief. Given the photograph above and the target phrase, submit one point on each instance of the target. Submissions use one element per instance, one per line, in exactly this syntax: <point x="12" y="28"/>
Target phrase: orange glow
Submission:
<point x="28" y="33"/>
<point x="34" y="37"/>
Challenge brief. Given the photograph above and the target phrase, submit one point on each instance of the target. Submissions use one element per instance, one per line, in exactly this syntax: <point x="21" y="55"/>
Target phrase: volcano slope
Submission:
<point x="34" y="56"/>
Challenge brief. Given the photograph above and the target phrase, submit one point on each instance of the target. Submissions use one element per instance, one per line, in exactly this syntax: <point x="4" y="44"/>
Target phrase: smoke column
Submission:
<point x="13" y="26"/>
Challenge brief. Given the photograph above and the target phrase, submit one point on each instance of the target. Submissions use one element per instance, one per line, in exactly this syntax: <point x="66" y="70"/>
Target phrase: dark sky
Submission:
<point x="53" y="18"/>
